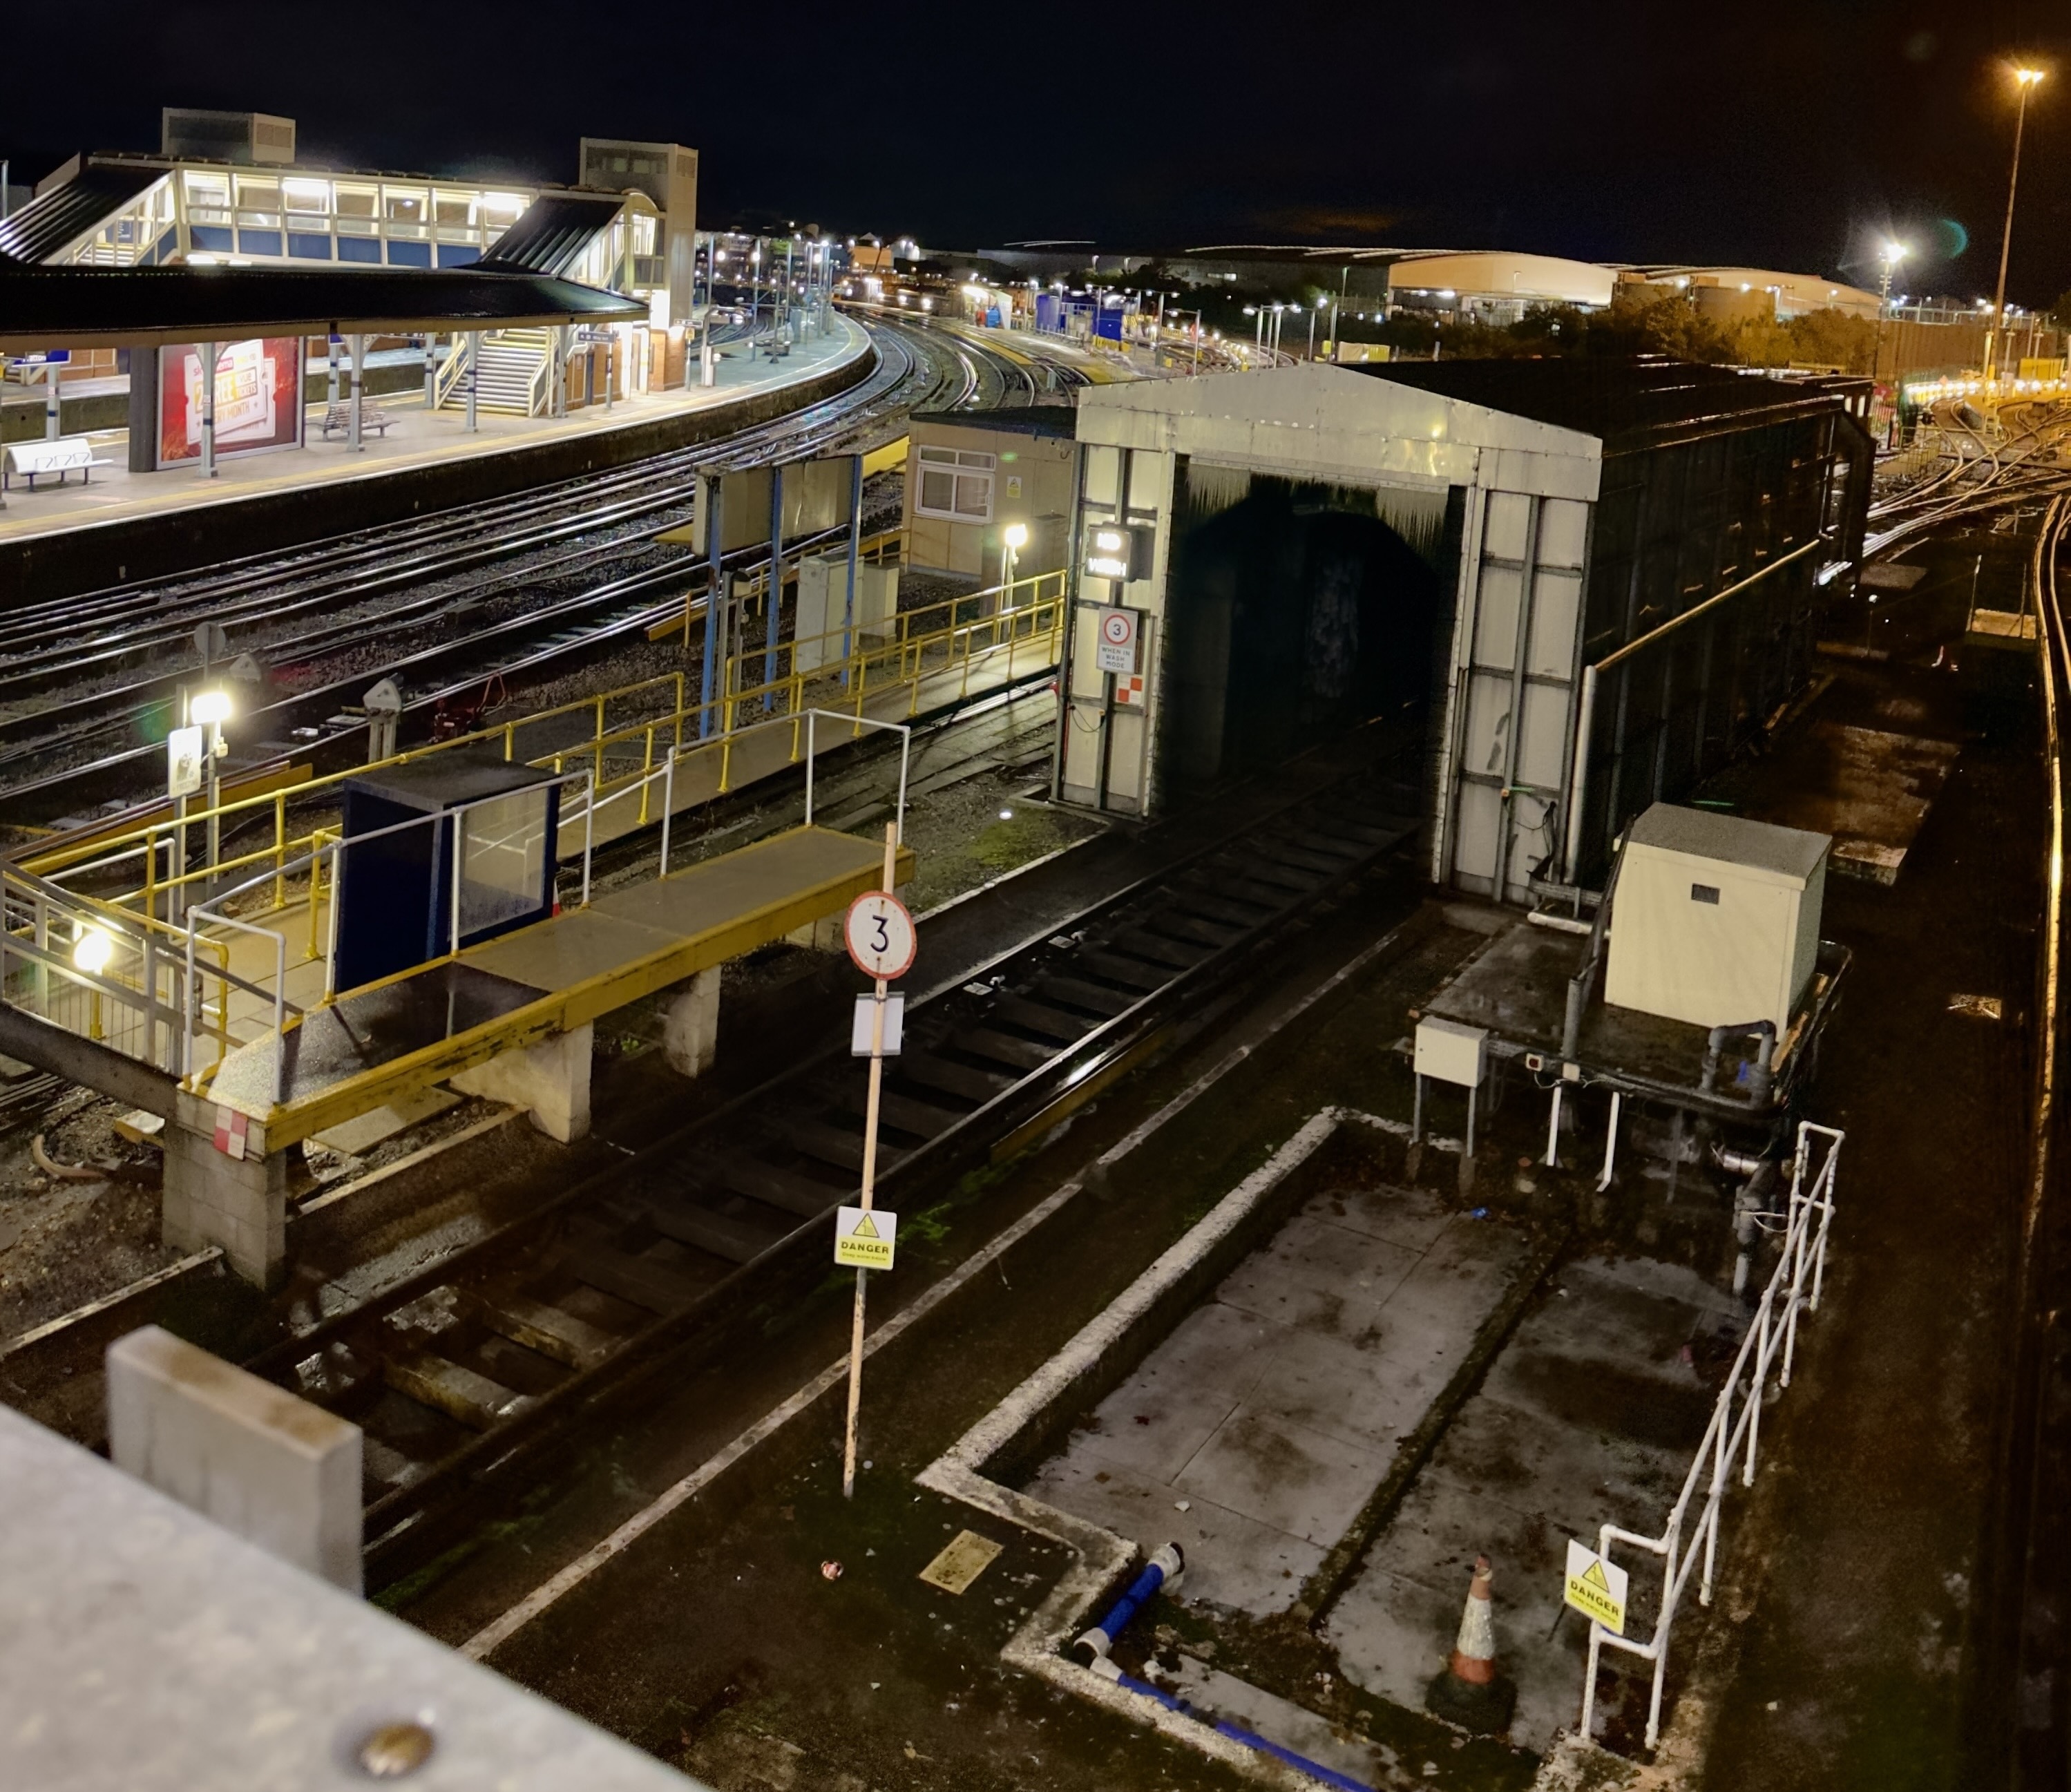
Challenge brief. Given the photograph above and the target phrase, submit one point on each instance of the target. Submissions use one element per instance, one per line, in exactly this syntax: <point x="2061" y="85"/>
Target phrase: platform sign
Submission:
<point x="880" y="935"/>
<point x="863" y="1028"/>
<point x="863" y="1237"/>
<point x="184" y="752"/>
<point x="1596" y="1588"/>
<point x="1117" y="640"/>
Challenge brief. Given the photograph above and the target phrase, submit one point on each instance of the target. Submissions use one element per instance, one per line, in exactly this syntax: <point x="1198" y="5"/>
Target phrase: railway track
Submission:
<point x="474" y="1364"/>
<point x="69" y="677"/>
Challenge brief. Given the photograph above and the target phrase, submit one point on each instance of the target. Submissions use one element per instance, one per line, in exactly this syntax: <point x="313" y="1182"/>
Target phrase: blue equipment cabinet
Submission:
<point x="396" y="892"/>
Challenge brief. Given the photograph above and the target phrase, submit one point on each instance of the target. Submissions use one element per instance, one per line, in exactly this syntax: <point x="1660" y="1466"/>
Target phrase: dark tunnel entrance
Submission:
<point x="1296" y="610"/>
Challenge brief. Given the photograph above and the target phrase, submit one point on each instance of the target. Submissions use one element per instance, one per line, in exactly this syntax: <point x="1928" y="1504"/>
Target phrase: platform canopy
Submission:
<point x="70" y="307"/>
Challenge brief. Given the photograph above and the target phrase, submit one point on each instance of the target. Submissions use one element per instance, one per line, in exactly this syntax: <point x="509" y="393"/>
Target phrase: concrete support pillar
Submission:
<point x="550" y="1080"/>
<point x="266" y="1466"/>
<point x="690" y="1037"/>
<point x="209" y="356"/>
<point x="212" y="1198"/>
<point x="473" y="376"/>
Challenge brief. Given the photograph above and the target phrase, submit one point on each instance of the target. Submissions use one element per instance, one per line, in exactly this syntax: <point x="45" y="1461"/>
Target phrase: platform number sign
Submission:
<point x="880" y="935"/>
<point x="1117" y="640"/>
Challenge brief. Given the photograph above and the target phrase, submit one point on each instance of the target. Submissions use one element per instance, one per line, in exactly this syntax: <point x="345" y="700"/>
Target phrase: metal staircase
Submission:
<point x="513" y="374"/>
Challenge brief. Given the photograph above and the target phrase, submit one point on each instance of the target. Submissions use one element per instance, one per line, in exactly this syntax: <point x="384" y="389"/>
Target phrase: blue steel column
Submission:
<point x="776" y="595"/>
<point x="715" y="596"/>
<point x="855" y="549"/>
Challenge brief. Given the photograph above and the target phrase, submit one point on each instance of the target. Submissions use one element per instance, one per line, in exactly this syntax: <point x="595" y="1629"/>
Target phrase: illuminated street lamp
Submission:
<point x="1016" y="535"/>
<point x="1890" y="254"/>
<point x="2025" y="80"/>
<point x="208" y="710"/>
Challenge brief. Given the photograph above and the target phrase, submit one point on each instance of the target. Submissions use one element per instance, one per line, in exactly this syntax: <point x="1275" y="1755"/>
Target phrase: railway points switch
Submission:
<point x="1714" y="919"/>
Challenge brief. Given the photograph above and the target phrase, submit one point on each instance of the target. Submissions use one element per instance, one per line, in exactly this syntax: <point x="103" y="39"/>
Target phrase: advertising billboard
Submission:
<point x="258" y="400"/>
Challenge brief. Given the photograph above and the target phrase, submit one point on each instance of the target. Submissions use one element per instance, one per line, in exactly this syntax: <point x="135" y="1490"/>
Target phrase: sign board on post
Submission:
<point x="1596" y="1588"/>
<point x="184" y="751"/>
<point x="863" y="1237"/>
<point x="1117" y="640"/>
<point x="863" y="1029"/>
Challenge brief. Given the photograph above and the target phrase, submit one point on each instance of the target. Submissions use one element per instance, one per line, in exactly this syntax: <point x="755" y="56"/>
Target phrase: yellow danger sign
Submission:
<point x="864" y="1241"/>
<point x="1596" y="1588"/>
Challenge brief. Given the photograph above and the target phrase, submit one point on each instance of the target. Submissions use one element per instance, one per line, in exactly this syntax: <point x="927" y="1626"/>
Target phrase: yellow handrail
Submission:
<point x="949" y="636"/>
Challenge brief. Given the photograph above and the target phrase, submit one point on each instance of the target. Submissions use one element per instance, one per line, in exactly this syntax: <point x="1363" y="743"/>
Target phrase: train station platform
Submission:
<point x="60" y="539"/>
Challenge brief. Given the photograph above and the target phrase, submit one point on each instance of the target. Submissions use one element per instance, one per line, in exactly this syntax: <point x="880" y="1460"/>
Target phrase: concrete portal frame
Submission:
<point x="1528" y="489"/>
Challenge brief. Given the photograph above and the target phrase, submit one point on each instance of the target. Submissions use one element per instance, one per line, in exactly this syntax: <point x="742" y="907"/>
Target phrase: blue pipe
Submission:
<point x="1167" y="1564"/>
<point x="1236" y="1733"/>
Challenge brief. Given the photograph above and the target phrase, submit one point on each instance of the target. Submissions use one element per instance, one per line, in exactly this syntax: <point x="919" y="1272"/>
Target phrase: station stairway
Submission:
<point x="513" y="377"/>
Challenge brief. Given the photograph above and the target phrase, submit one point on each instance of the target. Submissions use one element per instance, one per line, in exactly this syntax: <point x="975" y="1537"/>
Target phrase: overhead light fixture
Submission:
<point x="92" y="950"/>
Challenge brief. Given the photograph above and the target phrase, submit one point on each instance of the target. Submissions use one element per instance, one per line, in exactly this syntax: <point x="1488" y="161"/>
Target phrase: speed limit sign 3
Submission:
<point x="880" y="935"/>
<point x="1117" y="640"/>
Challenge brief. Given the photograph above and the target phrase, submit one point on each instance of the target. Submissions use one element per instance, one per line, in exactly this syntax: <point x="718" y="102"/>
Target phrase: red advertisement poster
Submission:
<point x="258" y="400"/>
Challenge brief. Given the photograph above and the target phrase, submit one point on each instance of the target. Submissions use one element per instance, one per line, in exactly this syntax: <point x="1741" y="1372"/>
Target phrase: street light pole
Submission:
<point x="2025" y="79"/>
<point x="1891" y="255"/>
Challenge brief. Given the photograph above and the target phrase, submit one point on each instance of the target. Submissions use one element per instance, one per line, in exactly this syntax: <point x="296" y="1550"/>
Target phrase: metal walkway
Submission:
<point x="375" y="1045"/>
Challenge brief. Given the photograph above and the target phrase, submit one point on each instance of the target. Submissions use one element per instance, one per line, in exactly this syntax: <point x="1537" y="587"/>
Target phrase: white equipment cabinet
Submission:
<point x="823" y="597"/>
<point x="1716" y="919"/>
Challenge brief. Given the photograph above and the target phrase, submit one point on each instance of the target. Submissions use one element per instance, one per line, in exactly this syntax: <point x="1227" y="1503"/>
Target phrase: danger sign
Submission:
<point x="1117" y="640"/>
<point x="1596" y="1588"/>
<point x="863" y="1237"/>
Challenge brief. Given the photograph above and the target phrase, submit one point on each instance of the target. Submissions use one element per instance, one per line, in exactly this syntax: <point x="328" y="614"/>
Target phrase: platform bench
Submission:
<point x="31" y="460"/>
<point x="339" y="417"/>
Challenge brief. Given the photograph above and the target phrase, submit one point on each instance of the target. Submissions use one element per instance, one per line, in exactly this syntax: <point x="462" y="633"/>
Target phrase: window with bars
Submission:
<point x="955" y="483"/>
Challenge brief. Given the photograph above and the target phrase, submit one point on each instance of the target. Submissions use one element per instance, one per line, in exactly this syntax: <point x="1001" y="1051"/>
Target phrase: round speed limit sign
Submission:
<point x="880" y="935"/>
<point x="1118" y="628"/>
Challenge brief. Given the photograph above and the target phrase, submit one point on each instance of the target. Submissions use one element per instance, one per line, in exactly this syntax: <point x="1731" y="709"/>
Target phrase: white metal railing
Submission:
<point x="1735" y="1429"/>
<point x="667" y="771"/>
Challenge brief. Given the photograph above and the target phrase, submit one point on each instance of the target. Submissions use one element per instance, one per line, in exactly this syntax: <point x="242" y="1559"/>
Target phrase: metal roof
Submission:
<point x="550" y="234"/>
<point x="59" y="217"/>
<point x="1627" y="404"/>
<point x="1021" y="420"/>
<point x="1787" y="852"/>
<point x="83" y="307"/>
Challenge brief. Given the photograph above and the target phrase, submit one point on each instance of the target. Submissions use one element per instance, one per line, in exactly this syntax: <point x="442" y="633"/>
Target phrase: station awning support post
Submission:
<point x="208" y="354"/>
<point x="358" y="347"/>
<point x="472" y="375"/>
<point x="431" y="369"/>
<point x="775" y="592"/>
<point x="331" y="345"/>
<point x="52" y="430"/>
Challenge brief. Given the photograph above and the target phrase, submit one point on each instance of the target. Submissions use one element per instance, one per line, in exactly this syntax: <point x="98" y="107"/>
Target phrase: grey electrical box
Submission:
<point x="1716" y="918"/>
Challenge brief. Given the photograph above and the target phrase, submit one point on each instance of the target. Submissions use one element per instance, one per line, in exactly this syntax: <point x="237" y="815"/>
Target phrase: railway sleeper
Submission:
<point x="464" y="1395"/>
<point x="539" y="1325"/>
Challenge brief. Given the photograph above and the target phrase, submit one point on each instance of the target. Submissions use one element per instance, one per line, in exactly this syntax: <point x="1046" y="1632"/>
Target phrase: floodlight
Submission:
<point x="92" y="950"/>
<point x="210" y="708"/>
<point x="1017" y="536"/>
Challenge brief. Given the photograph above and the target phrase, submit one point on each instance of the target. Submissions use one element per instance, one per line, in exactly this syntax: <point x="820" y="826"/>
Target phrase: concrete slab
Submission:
<point x="1302" y="1482"/>
<point x="1319" y="1277"/>
<point x="1156" y="1422"/>
<point x="1591" y="1413"/>
<point x="1232" y="1560"/>
<point x="1273" y="1410"/>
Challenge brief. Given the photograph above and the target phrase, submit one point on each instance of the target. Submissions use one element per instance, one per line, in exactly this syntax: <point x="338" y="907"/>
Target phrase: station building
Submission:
<point x="972" y="476"/>
<point x="225" y="189"/>
<point x="1576" y="587"/>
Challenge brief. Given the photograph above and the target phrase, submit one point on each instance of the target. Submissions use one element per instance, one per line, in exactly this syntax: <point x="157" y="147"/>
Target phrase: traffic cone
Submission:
<point x="1468" y="1691"/>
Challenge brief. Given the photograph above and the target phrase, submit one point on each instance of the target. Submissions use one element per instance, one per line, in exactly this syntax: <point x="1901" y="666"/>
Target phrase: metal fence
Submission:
<point x="1689" y="1541"/>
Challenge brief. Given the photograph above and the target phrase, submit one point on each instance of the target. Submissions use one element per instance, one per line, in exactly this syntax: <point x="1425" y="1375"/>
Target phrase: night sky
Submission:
<point x="1786" y="136"/>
